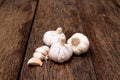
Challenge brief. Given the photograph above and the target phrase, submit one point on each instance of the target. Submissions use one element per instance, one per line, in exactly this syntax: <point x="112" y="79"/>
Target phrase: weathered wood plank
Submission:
<point x="50" y="15"/>
<point x="101" y="19"/>
<point x="15" y="22"/>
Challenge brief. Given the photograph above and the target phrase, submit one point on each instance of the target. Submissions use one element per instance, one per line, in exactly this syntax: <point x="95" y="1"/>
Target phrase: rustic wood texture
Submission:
<point x="102" y="22"/>
<point x="50" y="15"/>
<point x="101" y="18"/>
<point x="15" y="22"/>
<point x="23" y="23"/>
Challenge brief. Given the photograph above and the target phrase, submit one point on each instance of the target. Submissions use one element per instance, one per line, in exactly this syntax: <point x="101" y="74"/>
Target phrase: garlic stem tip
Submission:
<point x="59" y="30"/>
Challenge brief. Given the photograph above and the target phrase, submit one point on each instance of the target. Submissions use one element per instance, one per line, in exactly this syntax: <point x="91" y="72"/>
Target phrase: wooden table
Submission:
<point x="23" y="23"/>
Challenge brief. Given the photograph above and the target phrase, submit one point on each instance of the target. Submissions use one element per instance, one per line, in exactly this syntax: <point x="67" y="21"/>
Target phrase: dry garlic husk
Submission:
<point x="51" y="37"/>
<point x="35" y="61"/>
<point x="79" y="43"/>
<point x="60" y="52"/>
<point x="41" y="52"/>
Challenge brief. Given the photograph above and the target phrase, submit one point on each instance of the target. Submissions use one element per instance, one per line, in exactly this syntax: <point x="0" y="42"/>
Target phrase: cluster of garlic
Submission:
<point x="59" y="51"/>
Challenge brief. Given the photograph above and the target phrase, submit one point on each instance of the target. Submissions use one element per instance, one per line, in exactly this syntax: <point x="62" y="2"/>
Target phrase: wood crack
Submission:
<point x="2" y="2"/>
<point x="28" y="40"/>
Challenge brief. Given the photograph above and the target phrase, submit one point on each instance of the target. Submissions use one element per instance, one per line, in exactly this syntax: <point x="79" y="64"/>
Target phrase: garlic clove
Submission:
<point x="42" y="50"/>
<point x="53" y="53"/>
<point x="67" y="52"/>
<point x="64" y="54"/>
<point x="38" y="55"/>
<point x="35" y="61"/>
<point x="61" y="57"/>
<point x="46" y="48"/>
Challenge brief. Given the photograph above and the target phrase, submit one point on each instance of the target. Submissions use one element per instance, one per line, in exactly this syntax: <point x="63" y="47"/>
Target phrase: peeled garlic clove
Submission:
<point x="79" y="43"/>
<point x="60" y="52"/>
<point x="38" y="55"/>
<point x="35" y="61"/>
<point x="51" y="37"/>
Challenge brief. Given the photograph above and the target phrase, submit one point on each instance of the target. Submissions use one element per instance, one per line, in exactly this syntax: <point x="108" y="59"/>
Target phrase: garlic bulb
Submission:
<point x="51" y="37"/>
<point x="60" y="52"/>
<point x="35" y="61"/>
<point x="79" y="43"/>
<point x="41" y="52"/>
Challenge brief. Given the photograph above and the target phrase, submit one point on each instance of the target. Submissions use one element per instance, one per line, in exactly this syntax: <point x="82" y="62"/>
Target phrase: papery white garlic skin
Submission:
<point x="43" y="49"/>
<point x="34" y="61"/>
<point x="51" y="37"/>
<point x="38" y="55"/>
<point x="60" y="52"/>
<point x="41" y="52"/>
<point x="79" y="43"/>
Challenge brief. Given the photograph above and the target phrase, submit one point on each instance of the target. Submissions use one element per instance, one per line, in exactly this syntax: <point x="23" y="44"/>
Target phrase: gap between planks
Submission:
<point x="28" y="40"/>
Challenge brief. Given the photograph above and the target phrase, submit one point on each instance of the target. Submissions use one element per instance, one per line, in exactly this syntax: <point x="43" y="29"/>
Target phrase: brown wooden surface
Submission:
<point x="23" y="23"/>
<point x="15" y="22"/>
<point x="101" y="20"/>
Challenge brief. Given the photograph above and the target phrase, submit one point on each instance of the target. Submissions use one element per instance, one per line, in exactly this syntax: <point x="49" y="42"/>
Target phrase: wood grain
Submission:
<point x="101" y="18"/>
<point x="50" y="15"/>
<point x="15" y="21"/>
<point x="23" y="23"/>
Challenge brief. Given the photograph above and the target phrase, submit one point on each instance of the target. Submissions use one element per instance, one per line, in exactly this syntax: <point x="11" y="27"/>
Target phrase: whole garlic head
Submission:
<point x="51" y="37"/>
<point x="60" y="52"/>
<point x="79" y="43"/>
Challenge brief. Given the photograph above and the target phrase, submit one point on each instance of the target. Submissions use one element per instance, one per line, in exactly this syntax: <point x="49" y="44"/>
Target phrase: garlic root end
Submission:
<point x="75" y="41"/>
